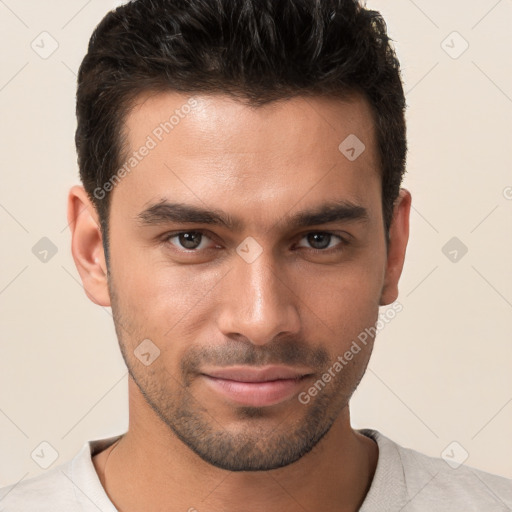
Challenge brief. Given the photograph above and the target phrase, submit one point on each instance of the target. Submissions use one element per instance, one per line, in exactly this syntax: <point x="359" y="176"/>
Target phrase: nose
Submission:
<point x="258" y="302"/>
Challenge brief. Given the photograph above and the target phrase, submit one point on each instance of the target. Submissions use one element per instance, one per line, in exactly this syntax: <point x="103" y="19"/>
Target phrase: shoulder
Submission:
<point x="438" y="479"/>
<point x="73" y="486"/>
<point x="50" y="491"/>
<point x="424" y="482"/>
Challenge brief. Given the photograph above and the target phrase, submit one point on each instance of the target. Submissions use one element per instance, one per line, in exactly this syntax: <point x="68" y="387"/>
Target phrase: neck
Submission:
<point x="151" y="469"/>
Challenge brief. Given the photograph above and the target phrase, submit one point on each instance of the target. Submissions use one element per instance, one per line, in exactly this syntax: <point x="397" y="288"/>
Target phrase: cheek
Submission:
<point x="341" y="303"/>
<point x="161" y="297"/>
<point x="347" y="307"/>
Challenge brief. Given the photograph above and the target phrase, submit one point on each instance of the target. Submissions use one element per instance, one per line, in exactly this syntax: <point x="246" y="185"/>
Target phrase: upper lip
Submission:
<point x="257" y="374"/>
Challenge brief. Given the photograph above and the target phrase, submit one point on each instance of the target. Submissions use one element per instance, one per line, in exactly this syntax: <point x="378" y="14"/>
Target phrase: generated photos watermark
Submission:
<point x="157" y="135"/>
<point x="342" y="360"/>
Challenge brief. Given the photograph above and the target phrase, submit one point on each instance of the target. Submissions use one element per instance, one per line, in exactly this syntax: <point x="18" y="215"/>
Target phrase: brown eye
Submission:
<point x="323" y="240"/>
<point x="188" y="240"/>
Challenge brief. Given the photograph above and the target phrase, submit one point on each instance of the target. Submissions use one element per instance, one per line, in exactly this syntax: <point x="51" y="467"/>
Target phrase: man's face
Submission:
<point x="263" y="292"/>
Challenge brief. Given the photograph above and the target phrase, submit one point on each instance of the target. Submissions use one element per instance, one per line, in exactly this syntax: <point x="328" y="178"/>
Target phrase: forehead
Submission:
<point x="213" y="123"/>
<point x="211" y="149"/>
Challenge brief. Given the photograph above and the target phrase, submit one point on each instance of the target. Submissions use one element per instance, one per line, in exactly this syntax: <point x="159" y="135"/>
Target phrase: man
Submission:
<point x="242" y="215"/>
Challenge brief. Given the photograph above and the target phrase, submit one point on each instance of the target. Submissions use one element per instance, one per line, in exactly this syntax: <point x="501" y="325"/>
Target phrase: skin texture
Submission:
<point x="187" y="446"/>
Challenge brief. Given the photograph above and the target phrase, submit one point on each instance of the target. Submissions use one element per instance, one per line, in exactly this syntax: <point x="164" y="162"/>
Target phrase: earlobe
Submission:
<point x="398" y="238"/>
<point x="87" y="245"/>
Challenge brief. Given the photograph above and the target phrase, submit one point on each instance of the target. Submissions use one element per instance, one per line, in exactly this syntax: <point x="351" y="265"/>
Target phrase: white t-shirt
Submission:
<point x="405" y="480"/>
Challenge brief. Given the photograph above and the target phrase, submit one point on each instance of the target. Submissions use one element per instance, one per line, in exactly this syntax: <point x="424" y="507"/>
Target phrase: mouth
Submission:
<point x="256" y="387"/>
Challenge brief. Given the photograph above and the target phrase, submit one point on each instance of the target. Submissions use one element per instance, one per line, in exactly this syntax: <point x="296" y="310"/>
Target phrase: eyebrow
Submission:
<point x="164" y="212"/>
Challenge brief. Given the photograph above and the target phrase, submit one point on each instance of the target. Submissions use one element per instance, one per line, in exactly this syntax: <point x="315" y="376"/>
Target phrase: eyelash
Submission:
<point x="343" y="241"/>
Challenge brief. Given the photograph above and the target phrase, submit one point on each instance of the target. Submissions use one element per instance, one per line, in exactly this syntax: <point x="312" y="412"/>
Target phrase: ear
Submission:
<point x="398" y="238"/>
<point x="87" y="246"/>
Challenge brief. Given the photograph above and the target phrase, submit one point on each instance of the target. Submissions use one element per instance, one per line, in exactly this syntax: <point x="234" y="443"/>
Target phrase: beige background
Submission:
<point x="441" y="370"/>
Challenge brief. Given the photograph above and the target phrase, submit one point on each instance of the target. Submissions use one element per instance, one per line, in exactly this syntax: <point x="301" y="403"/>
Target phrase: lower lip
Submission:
<point x="256" y="394"/>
